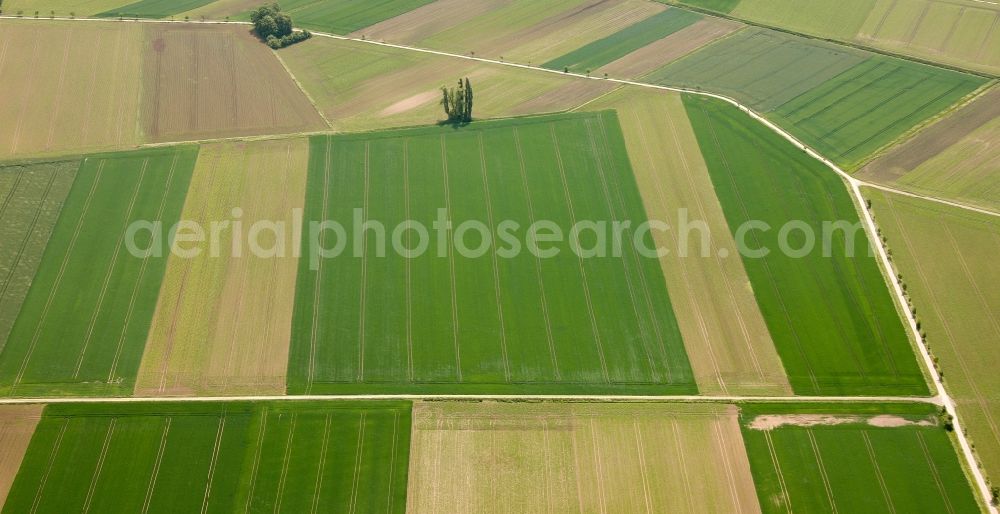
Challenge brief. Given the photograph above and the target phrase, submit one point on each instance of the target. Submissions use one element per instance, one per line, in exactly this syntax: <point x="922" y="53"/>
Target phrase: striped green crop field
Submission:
<point x="216" y="457"/>
<point x="851" y="116"/>
<point x="82" y="328"/>
<point x="154" y="8"/>
<point x="828" y="308"/>
<point x="876" y="459"/>
<point x="31" y="197"/>
<point x="490" y="319"/>
<point x="603" y="51"/>
<point x="337" y="16"/>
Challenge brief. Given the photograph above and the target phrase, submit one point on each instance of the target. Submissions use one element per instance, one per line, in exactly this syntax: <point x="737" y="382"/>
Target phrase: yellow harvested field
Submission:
<point x="576" y="457"/>
<point x="727" y="341"/>
<point x="68" y="86"/>
<point x="17" y="424"/>
<point x="362" y="87"/>
<point x="212" y="81"/>
<point x="425" y="21"/>
<point x="670" y="48"/>
<point x="222" y="321"/>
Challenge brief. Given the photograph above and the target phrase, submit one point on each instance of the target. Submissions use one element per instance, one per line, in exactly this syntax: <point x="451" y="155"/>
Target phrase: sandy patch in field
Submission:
<point x="773" y="421"/>
<point x="222" y="324"/>
<point x="427" y="20"/>
<point x="17" y="424"/>
<point x="727" y="341"/>
<point x="556" y="457"/>
<point x="411" y="103"/>
<point x="68" y="86"/>
<point x="670" y="48"/>
<point x="211" y="81"/>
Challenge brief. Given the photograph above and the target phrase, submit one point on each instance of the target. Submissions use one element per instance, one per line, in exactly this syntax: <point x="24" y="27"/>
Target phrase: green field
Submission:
<point x="759" y="67"/>
<point x="30" y="199"/>
<point x="83" y="325"/>
<point x="855" y="466"/>
<point x="61" y="7"/>
<point x="444" y="322"/>
<point x="216" y="457"/>
<point x="155" y="8"/>
<point x="822" y="18"/>
<point x="719" y="6"/>
<point x="340" y="16"/>
<point x="832" y="319"/>
<point x="605" y="50"/>
<point x="851" y="116"/>
<point x="947" y="259"/>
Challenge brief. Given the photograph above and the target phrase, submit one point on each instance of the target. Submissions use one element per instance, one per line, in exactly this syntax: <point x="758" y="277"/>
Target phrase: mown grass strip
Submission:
<point x="828" y="309"/>
<point x="603" y="51"/>
<point x="83" y="325"/>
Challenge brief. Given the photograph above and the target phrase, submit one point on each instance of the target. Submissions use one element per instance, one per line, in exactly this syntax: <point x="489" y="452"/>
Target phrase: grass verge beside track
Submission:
<point x="835" y="326"/>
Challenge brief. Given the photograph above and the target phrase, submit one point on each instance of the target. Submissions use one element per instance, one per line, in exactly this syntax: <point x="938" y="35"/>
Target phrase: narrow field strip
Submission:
<point x="79" y="454"/>
<point x="51" y="332"/>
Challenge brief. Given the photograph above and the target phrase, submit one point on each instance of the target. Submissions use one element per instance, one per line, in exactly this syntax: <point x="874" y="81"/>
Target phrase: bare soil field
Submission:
<point x="727" y="341"/>
<point x="68" y="86"/>
<point x="670" y="48"/>
<point x="222" y="322"/>
<point x="17" y="424"/>
<point x="427" y="20"/>
<point x="957" y="157"/>
<point x="363" y="87"/>
<point x="216" y="81"/>
<point x="496" y="457"/>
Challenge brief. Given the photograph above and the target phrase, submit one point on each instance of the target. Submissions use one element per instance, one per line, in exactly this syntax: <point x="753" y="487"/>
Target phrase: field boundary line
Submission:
<point x="675" y="431"/>
<point x="303" y="89"/>
<point x="598" y="469"/>
<point x="785" y="497"/>
<point x="358" y="458"/>
<point x="822" y="470"/>
<point x="451" y="262"/>
<point x="878" y="471"/>
<point x="314" y="324"/>
<point x="934" y="473"/>
<point x="392" y="460"/>
<point x="730" y="476"/>
<point x="621" y="398"/>
<point x="364" y="265"/>
<point x="48" y="468"/>
<point x="211" y="466"/>
<point x="285" y="459"/>
<point x="256" y="459"/>
<point x="642" y="464"/>
<point x="407" y="271"/>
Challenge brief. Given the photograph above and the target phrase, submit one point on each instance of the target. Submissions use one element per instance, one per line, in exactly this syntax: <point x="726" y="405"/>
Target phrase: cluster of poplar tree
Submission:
<point x="457" y="102"/>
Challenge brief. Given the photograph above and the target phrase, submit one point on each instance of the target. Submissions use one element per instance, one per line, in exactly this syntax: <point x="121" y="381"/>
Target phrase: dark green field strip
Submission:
<point x="621" y="43"/>
<point x="492" y="321"/>
<point x="154" y="8"/>
<point x="83" y="325"/>
<point x="857" y="467"/>
<point x="759" y="67"/>
<point x="31" y="197"/>
<point x="856" y="113"/>
<point x="343" y="16"/>
<point x="719" y="6"/>
<point x="914" y="411"/>
<point x="831" y="317"/>
<point x="216" y="457"/>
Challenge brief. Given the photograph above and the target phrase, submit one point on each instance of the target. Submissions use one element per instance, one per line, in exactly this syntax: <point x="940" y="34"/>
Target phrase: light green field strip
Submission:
<point x="724" y="333"/>
<point x="215" y="457"/>
<point x="946" y="257"/>
<point x="154" y="8"/>
<point x="761" y="68"/>
<point x="840" y="20"/>
<point x="68" y="86"/>
<point x="83" y="325"/>
<point x="31" y="197"/>
<point x="492" y="321"/>
<point x="222" y="321"/>
<point x="850" y="339"/>
<point x="807" y="460"/>
<point x="361" y="86"/>
<point x="962" y="33"/>
<point x="17" y="424"/>
<point x="61" y="7"/>
<point x="495" y="457"/>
